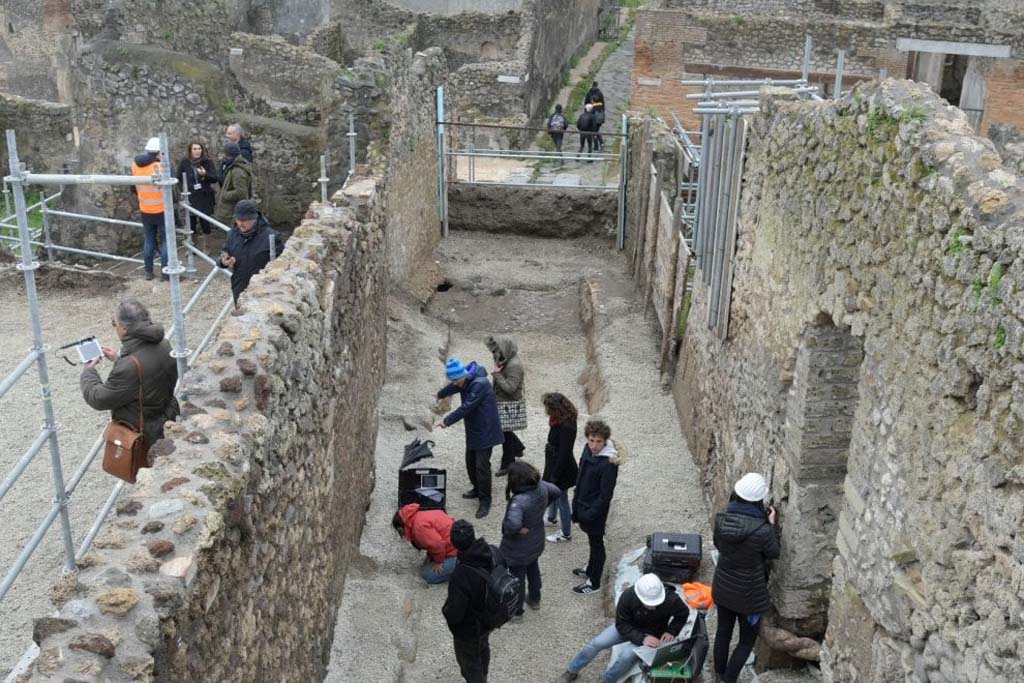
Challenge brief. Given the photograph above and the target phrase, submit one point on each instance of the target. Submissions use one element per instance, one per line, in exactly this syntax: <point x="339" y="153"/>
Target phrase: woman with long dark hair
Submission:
<point x="200" y="175"/>
<point x="560" y="466"/>
<point x="522" y="530"/>
<point x="746" y="540"/>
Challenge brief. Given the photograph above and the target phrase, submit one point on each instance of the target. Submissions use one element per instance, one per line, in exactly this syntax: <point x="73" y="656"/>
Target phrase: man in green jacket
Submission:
<point x="144" y="340"/>
<point x="238" y="183"/>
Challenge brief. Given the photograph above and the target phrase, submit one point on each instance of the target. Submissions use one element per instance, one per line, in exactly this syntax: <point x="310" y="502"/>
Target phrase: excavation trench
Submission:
<point x="570" y="306"/>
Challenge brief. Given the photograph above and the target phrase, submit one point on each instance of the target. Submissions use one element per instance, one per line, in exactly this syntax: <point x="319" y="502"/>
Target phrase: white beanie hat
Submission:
<point x="153" y="145"/>
<point x="650" y="589"/>
<point x="752" y="487"/>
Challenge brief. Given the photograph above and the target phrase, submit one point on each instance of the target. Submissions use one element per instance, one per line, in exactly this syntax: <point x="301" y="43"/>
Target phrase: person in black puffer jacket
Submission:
<point x="560" y="466"/>
<point x="746" y="540"/>
<point x="247" y="247"/>
<point x="522" y="531"/>
<point x="465" y="607"/>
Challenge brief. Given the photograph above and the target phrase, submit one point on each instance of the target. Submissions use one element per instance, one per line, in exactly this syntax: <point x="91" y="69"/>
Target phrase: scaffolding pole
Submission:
<point x="28" y="267"/>
<point x="323" y="179"/>
<point x="351" y="135"/>
<point x="173" y="268"/>
<point x="187" y="227"/>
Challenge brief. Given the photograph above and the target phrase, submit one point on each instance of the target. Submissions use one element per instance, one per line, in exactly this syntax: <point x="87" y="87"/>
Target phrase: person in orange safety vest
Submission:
<point x="151" y="206"/>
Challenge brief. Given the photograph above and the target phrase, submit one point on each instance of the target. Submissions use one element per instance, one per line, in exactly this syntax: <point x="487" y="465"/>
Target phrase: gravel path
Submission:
<point x="528" y="288"/>
<point x="66" y="315"/>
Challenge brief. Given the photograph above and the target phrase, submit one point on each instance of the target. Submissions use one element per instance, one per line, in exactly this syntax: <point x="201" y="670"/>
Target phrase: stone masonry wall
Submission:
<point x="226" y="561"/>
<point x="569" y="212"/>
<point x="881" y="222"/>
<point x="44" y="130"/>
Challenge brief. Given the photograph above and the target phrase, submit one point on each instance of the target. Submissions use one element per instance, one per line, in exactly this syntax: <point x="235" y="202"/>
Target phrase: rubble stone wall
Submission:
<point x="226" y="561"/>
<point x="878" y="225"/>
<point x="44" y="130"/>
<point x="569" y="212"/>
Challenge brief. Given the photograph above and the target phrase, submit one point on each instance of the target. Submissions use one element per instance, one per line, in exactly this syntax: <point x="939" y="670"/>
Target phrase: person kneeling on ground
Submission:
<point x="650" y="613"/>
<point x="247" y="247"/>
<point x="428" y="530"/>
<point x="522" y="531"/>
<point x="466" y="607"/>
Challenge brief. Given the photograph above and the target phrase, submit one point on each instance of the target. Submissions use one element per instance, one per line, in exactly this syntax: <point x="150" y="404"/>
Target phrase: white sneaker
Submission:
<point x="558" y="538"/>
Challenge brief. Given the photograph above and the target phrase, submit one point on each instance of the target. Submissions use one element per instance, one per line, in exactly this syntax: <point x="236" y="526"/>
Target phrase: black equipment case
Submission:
<point x="424" y="485"/>
<point x="673" y="557"/>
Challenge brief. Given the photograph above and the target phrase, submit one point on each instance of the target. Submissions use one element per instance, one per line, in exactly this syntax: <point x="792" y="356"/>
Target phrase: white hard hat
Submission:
<point x="650" y="590"/>
<point x="153" y="145"/>
<point x="751" y="487"/>
<point x="588" y="106"/>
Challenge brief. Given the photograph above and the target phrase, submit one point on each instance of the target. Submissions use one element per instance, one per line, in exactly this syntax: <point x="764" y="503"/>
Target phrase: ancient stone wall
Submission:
<point x="570" y="212"/>
<point x="279" y="73"/>
<point x="226" y="561"/>
<point x="450" y="7"/>
<point x="30" y="37"/>
<point x="561" y="29"/>
<point x="469" y="38"/>
<point x="45" y="138"/>
<point x="872" y="372"/>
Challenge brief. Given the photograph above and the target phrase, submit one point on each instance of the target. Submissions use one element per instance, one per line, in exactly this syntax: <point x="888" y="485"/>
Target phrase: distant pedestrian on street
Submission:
<point x="142" y="342"/>
<point x="745" y="538"/>
<point x="560" y="466"/>
<point x="596" y="98"/>
<point x="237" y="182"/>
<point x="200" y="179"/>
<point x="465" y="609"/>
<point x="508" y="377"/>
<point x="429" y="530"/>
<point x="247" y="247"/>
<point x="651" y="614"/>
<point x="151" y="206"/>
<point x="522" y="531"/>
<point x="557" y="125"/>
<point x="595" y="487"/>
<point x="586" y="124"/>
<point x="479" y="409"/>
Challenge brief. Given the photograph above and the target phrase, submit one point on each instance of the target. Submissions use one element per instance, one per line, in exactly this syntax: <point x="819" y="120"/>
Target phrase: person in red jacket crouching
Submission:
<point x="429" y="530"/>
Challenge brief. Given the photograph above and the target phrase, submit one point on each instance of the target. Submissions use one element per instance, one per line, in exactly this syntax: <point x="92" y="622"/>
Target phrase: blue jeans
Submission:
<point x="447" y="567"/>
<point x="605" y="640"/>
<point x="152" y="235"/>
<point x="563" y="509"/>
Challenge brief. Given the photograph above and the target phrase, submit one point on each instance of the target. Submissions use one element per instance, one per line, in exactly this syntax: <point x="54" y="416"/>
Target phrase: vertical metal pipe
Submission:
<point x="273" y="246"/>
<point x="323" y="179"/>
<point x="173" y="268"/>
<point x="46" y="227"/>
<point x="439" y="102"/>
<point x="7" y="200"/>
<point x="702" y="179"/>
<point x="472" y="163"/>
<point x="28" y="267"/>
<point x="713" y="188"/>
<point x="805" y="70"/>
<point x="351" y="145"/>
<point x="623" y="180"/>
<point x="723" y="230"/>
<point x="840" y="64"/>
<point x="883" y="73"/>
<point x="187" y="227"/>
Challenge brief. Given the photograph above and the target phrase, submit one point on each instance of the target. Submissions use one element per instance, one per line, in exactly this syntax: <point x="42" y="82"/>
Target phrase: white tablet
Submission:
<point x="89" y="350"/>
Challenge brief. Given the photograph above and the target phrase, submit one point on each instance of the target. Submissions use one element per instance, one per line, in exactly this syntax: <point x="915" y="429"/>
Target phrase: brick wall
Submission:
<point x="1005" y="100"/>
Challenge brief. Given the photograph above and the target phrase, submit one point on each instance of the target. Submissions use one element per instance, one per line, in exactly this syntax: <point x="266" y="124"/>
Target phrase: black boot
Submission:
<point x="470" y="494"/>
<point x="484" y="509"/>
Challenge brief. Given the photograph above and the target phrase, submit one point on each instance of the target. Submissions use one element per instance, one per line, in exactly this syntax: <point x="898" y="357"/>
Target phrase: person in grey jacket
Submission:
<point x="522" y="530"/>
<point x="508" y="377"/>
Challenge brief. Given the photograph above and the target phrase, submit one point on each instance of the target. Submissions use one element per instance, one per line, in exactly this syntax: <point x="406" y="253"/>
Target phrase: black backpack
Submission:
<point x="502" y="593"/>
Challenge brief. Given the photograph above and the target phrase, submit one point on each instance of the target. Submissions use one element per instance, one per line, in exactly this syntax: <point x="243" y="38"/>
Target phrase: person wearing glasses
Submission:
<point x="142" y="338"/>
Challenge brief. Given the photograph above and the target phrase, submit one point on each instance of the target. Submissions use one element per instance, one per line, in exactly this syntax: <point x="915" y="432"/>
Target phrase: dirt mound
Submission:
<point x="62" y="278"/>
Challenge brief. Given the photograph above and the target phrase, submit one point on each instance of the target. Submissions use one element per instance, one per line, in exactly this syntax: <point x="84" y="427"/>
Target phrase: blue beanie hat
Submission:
<point x="454" y="369"/>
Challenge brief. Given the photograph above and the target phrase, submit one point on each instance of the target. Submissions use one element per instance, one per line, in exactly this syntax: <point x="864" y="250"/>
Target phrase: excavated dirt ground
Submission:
<point x="390" y="626"/>
<point x="69" y="312"/>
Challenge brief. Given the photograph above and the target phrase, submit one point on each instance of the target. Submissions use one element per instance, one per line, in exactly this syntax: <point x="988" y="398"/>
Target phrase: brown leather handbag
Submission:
<point x="125" y="451"/>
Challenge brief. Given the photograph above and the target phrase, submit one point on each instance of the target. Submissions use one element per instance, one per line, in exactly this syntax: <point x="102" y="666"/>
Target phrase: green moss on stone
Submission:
<point x="1000" y="339"/>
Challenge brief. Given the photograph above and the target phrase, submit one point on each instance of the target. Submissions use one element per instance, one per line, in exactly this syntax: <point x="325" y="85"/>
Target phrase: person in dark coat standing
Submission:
<point x="200" y="177"/>
<point x="465" y="607"/>
<point x="586" y="124"/>
<point x="144" y="340"/>
<point x="650" y="614"/>
<point x="745" y="537"/>
<point x="509" y="378"/>
<point x="522" y="530"/>
<point x="237" y="183"/>
<point x="592" y="499"/>
<point x="247" y="248"/>
<point x="479" y="409"/>
<point x="560" y="466"/>
<point x="596" y="98"/>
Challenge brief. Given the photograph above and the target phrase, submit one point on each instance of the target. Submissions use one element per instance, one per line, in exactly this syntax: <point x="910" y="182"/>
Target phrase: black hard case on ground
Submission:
<point x="427" y="486"/>
<point x="673" y="557"/>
